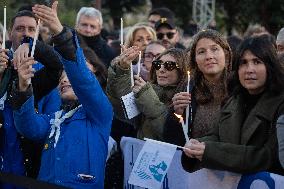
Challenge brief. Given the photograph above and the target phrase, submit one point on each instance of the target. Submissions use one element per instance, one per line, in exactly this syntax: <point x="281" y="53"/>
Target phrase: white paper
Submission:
<point x="130" y="105"/>
<point x="152" y="165"/>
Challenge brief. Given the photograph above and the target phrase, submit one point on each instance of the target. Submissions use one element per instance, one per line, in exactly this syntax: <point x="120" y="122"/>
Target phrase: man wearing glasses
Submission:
<point x="167" y="33"/>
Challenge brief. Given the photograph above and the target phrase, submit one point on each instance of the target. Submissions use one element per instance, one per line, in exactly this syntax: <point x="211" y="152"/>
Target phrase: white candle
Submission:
<point x="139" y="63"/>
<point x="187" y="108"/>
<point x="34" y="43"/>
<point x="4" y="29"/>
<point x="163" y="143"/>
<point x="184" y="128"/>
<point x="131" y="75"/>
<point x="188" y="81"/>
<point x="35" y="38"/>
<point x="121" y="31"/>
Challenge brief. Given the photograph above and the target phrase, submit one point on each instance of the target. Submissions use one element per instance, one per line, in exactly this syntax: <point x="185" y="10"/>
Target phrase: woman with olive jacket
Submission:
<point x="244" y="137"/>
<point x="153" y="98"/>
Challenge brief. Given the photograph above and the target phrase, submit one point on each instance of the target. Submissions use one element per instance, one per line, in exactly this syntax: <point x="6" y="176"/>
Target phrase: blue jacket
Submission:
<point x="83" y="143"/>
<point x="11" y="157"/>
<point x="49" y="103"/>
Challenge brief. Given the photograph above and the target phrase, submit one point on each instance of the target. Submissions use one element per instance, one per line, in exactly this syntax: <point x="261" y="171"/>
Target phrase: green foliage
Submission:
<point x="230" y="14"/>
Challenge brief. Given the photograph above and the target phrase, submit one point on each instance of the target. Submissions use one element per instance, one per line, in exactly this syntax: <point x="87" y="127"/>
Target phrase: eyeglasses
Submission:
<point x="169" y="35"/>
<point x="150" y="56"/>
<point x="168" y="65"/>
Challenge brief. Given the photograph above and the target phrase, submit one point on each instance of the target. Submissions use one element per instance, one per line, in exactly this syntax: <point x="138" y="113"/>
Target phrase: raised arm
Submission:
<point x="83" y="81"/>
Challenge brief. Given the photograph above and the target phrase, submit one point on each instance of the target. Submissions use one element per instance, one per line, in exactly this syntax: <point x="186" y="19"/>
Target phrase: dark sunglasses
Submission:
<point x="169" y="35"/>
<point x="168" y="65"/>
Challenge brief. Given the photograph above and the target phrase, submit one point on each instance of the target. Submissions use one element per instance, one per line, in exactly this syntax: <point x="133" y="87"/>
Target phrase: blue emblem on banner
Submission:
<point x="247" y="180"/>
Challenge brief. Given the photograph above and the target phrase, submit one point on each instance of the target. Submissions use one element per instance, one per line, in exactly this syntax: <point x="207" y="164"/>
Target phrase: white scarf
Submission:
<point x="56" y="122"/>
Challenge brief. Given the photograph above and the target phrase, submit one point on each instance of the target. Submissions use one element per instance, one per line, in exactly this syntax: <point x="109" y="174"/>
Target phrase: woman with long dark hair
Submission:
<point x="244" y="137"/>
<point x="210" y="62"/>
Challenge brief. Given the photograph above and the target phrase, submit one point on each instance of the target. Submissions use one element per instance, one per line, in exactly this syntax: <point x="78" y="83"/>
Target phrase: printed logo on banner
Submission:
<point x="176" y="177"/>
<point x="142" y="166"/>
<point x="151" y="165"/>
<point x="155" y="170"/>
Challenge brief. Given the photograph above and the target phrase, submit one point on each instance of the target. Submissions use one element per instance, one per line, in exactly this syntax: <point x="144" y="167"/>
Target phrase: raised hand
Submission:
<point x="25" y="72"/>
<point x="138" y="84"/>
<point x="49" y="17"/>
<point x="20" y="54"/>
<point x="181" y="101"/>
<point x="127" y="56"/>
<point x="3" y="60"/>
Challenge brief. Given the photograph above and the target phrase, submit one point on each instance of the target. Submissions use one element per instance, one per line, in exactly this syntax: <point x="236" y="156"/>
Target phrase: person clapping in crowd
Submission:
<point x="243" y="139"/>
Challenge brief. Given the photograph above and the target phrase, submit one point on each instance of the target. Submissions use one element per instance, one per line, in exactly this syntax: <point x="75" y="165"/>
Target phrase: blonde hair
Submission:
<point x="129" y="39"/>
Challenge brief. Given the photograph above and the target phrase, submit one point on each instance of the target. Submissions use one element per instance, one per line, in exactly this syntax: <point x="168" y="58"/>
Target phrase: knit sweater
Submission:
<point x="207" y="113"/>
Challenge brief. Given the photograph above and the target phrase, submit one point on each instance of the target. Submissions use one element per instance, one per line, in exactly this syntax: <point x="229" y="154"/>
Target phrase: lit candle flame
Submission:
<point x="183" y="126"/>
<point x="178" y="116"/>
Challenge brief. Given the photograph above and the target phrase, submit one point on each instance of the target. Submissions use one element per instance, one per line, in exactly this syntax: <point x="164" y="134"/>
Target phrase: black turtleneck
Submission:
<point x="250" y="100"/>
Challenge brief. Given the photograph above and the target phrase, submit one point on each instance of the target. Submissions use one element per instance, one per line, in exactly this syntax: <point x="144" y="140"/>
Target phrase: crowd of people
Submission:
<point x="61" y="109"/>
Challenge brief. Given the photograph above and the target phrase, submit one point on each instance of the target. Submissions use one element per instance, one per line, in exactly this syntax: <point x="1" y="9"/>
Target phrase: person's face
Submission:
<point x="166" y="77"/>
<point x="252" y="73"/>
<point x="210" y="58"/>
<point x="23" y="26"/>
<point x="280" y="47"/>
<point x="88" y="26"/>
<point x="168" y="37"/>
<point x="151" y="52"/>
<point x="153" y="19"/>
<point x="65" y="88"/>
<point x="141" y="39"/>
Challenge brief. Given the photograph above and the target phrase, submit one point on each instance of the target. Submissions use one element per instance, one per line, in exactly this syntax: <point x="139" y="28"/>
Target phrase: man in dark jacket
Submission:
<point x="89" y="24"/>
<point x="15" y="151"/>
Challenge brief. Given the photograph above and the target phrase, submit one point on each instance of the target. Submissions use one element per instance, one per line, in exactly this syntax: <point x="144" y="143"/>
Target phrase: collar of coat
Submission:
<point x="265" y="109"/>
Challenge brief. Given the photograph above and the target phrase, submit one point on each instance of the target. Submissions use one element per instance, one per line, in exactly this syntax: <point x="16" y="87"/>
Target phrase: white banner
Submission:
<point x="177" y="178"/>
<point x="152" y="165"/>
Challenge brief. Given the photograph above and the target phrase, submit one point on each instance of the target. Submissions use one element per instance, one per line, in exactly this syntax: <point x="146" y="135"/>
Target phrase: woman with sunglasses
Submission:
<point x="152" y="98"/>
<point x="210" y="57"/>
<point x="244" y="137"/>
